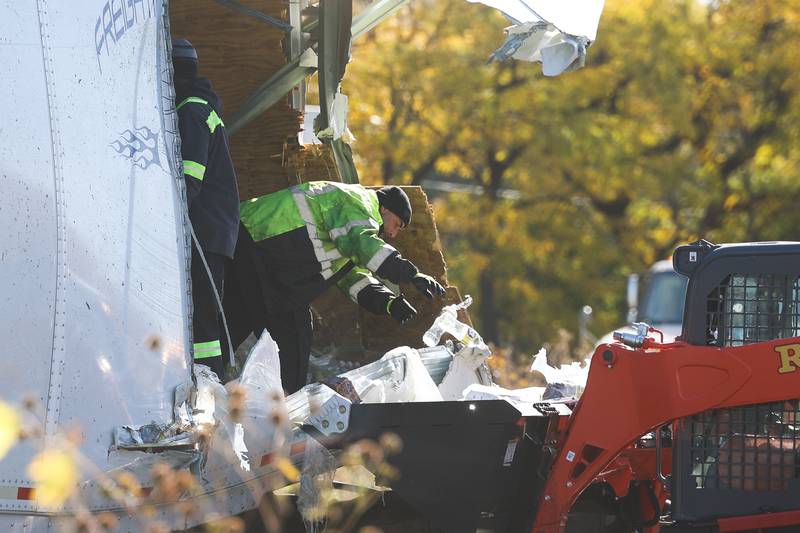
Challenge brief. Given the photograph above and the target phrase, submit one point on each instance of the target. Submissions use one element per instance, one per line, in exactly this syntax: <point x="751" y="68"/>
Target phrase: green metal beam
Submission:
<point x="283" y="81"/>
<point x="277" y="87"/>
<point x="369" y="18"/>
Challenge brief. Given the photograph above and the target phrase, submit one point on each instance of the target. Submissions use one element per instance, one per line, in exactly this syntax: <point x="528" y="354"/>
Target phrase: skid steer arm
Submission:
<point x="631" y="392"/>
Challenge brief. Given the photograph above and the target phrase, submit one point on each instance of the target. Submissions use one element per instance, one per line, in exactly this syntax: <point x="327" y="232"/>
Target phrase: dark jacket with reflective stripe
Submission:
<point x="211" y="190"/>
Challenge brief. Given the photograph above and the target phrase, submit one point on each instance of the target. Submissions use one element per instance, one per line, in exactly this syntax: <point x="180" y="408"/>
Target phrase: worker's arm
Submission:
<point x="355" y="234"/>
<point x="195" y="139"/>
<point x="374" y="296"/>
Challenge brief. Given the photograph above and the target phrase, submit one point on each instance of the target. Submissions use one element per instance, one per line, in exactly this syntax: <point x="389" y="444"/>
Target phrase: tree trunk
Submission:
<point x="487" y="309"/>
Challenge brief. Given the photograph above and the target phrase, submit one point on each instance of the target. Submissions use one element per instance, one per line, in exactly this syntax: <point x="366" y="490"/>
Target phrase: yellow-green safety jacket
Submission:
<point x="318" y="233"/>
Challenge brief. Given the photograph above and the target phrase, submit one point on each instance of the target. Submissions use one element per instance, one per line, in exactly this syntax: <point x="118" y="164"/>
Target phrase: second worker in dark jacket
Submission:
<point x="212" y="197"/>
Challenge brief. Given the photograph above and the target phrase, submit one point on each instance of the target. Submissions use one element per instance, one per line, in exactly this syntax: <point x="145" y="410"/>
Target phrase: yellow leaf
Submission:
<point x="731" y="201"/>
<point x="9" y="428"/>
<point x="55" y="474"/>
<point x="288" y="469"/>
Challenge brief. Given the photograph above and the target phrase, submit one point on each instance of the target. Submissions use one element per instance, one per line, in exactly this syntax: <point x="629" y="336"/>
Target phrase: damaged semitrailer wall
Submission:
<point x="238" y="53"/>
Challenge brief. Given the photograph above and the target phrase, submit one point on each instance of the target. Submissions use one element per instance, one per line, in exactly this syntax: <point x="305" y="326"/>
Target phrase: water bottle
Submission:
<point x="447" y="322"/>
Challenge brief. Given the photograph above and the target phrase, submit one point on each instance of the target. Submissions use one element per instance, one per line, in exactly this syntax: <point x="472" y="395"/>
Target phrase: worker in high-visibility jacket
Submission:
<point x="212" y="197"/>
<point x="299" y="241"/>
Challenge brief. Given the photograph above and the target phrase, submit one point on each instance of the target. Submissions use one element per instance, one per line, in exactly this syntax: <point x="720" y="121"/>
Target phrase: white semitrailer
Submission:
<point x="94" y="262"/>
<point x="94" y="257"/>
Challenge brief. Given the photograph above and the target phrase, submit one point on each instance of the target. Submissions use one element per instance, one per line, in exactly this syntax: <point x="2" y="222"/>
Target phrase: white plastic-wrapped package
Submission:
<point x="261" y="376"/>
<point x="408" y="381"/>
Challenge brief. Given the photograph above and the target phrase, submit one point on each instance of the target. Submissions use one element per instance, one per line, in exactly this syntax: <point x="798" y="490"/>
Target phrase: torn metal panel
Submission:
<point x="334" y="53"/>
<point x="336" y="18"/>
<point x="334" y="42"/>
<point x="542" y="42"/>
<point x="556" y="34"/>
<point x="153" y="437"/>
<point x="573" y="17"/>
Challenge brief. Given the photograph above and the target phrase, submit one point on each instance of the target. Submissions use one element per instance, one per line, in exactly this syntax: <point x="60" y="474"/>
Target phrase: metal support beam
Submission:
<point x="296" y="46"/>
<point x="280" y="24"/>
<point x="278" y="85"/>
<point x="343" y="157"/>
<point x="274" y="89"/>
<point x="336" y="17"/>
<point x="371" y="17"/>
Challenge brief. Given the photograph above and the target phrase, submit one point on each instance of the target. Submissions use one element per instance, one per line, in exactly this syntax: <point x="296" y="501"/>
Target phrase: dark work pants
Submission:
<point x="292" y="331"/>
<point x="210" y="344"/>
<point x="255" y="299"/>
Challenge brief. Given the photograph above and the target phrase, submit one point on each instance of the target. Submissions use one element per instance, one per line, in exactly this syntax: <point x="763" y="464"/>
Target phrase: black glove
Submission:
<point x="399" y="309"/>
<point x="427" y="285"/>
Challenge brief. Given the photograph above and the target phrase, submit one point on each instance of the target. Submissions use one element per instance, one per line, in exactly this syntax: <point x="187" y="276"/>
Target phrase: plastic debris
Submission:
<point x="469" y="362"/>
<point x="564" y="381"/>
<point x="493" y="392"/>
<point x="316" y="477"/>
<point x="408" y="381"/>
<point x="261" y="377"/>
<point x="447" y="322"/>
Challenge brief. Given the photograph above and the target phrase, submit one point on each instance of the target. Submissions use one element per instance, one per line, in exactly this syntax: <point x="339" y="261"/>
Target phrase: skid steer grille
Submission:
<point x="740" y="460"/>
<point x="750" y="448"/>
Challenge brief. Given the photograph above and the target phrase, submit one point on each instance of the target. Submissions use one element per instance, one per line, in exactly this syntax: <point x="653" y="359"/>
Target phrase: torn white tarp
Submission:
<point x="564" y="381"/>
<point x="260" y="386"/>
<point x="556" y="34"/>
<point x="261" y="377"/>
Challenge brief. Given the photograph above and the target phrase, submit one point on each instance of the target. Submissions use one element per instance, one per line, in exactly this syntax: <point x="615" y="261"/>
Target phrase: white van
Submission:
<point x="662" y="301"/>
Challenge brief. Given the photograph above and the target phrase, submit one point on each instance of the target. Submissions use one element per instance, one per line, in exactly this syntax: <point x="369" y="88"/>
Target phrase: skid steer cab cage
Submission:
<point x="728" y="388"/>
<point x="741" y="460"/>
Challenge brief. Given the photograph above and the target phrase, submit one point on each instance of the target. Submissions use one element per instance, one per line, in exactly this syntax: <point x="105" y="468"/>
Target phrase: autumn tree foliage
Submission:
<point x="683" y="124"/>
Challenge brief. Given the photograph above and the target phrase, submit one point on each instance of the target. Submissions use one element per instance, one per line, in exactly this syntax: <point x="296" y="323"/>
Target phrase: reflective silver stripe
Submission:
<point x="314" y="192"/>
<point x="359" y="285"/>
<point x="320" y="252"/>
<point x="203" y="350"/>
<point x="326" y="264"/>
<point x="333" y="254"/>
<point x="327" y="273"/>
<point x="380" y="256"/>
<point x="194" y="169"/>
<point x="341" y="232"/>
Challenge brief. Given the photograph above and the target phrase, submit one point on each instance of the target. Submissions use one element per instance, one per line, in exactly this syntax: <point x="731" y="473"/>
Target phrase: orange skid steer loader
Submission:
<point x="697" y="435"/>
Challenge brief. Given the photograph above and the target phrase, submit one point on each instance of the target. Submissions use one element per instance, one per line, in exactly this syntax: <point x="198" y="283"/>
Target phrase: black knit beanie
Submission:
<point x="184" y="59"/>
<point x="395" y="200"/>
